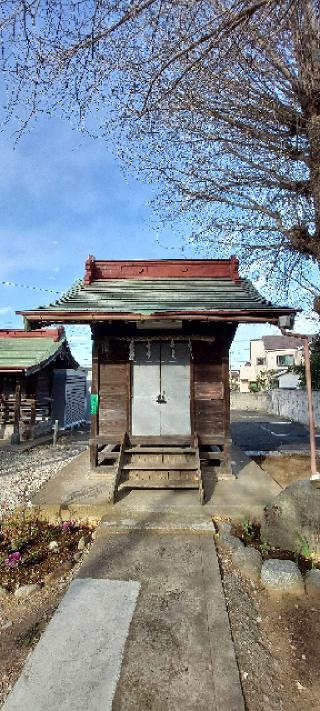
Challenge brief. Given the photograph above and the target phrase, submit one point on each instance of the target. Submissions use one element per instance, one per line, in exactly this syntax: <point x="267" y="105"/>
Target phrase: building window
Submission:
<point x="285" y="360"/>
<point x="261" y="361"/>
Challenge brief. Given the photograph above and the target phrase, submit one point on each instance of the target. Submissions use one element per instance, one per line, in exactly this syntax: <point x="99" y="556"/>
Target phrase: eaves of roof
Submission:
<point x="30" y="356"/>
<point x="136" y="299"/>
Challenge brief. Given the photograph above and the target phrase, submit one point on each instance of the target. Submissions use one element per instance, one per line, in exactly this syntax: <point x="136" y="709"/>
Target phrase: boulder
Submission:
<point x="224" y="527"/>
<point x="3" y="592"/>
<point x="312" y="582"/>
<point x="249" y="562"/>
<point x="54" y="546"/>
<point x="293" y="515"/>
<point x="230" y="543"/>
<point x="84" y="542"/>
<point x="26" y="590"/>
<point x="282" y="577"/>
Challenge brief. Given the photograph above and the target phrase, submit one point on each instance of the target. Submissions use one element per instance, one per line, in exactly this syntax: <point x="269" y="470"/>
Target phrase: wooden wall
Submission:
<point x="209" y="390"/>
<point x="114" y="389"/>
<point x="209" y="387"/>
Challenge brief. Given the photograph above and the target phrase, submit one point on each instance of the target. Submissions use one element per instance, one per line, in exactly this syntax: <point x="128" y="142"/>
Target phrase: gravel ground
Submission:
<point x="23" y="473"/>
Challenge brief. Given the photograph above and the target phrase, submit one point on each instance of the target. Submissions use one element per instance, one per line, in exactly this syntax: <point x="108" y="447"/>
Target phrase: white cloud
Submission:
<point x="5" y="310"/>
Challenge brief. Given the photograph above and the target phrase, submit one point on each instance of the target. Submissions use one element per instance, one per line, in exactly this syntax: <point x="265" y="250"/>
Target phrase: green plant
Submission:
<point x="304" y="549"/>
<point x="264" y="546"/>
<point x="247" y="530"/>
<point x="254" y="387"/>
<point x="33" y="558"/>
<point x="50" y="534"/>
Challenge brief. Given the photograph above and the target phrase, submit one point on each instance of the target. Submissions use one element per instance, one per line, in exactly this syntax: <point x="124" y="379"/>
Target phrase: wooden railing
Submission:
<point x="17" y="410"/>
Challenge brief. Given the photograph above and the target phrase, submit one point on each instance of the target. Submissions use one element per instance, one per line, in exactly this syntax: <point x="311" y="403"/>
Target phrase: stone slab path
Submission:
<point x="76" y="664"/>
<point x="179" y="653"/>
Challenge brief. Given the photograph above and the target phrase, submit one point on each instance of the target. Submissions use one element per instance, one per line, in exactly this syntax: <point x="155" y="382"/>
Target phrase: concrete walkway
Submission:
<point x="76" y="664"/>
<point x="178" y="653"/>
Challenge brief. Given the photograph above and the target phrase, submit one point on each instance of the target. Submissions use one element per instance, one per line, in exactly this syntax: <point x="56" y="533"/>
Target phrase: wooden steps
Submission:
<point x="174" y="464"/>
<point x="160" y="450"/>
<point x="211" y="456"/>
<point x="147" y="466"/>
<point x="161" y="484"/>
<point x="150" y="464"/>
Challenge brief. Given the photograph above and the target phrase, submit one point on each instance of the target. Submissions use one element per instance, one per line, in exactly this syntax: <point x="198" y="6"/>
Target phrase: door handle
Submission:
<point x="161" y="399"/>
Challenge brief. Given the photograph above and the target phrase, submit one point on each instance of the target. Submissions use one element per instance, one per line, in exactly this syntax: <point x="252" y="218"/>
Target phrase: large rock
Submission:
<point x="312" y="581"/>
<point x="224" y="527"/>
<point x="248" y="561"/>
<point x="282" y="576"/>
<point x="229" y="543"/>
<point x="293" y="514"/>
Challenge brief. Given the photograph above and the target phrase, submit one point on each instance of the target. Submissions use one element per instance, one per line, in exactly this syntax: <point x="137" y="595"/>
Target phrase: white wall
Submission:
<point x="292" y="404"/>
<point x="258" y="402"/>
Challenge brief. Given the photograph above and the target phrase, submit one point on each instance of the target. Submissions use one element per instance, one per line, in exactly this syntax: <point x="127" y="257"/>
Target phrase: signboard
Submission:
<point x="94" y="403"/>
<point x="208" y="391"/>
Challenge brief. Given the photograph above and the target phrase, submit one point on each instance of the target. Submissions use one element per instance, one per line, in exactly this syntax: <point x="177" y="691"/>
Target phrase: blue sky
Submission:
<point x="63" y="196"/>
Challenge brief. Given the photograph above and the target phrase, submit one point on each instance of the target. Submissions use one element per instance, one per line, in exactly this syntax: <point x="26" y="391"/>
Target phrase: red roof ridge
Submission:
<point x="54" y="333"/>
<point x="100" y="269"/>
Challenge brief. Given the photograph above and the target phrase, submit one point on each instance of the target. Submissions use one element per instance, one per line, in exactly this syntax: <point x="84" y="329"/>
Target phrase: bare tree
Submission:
<point x="219" y="100"/>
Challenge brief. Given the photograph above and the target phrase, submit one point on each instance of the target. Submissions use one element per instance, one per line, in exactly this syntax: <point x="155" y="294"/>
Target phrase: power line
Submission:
<point x="28" y="286"/>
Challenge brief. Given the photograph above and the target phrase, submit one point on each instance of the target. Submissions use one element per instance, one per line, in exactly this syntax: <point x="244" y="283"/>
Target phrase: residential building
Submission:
<point x="271" y="357"/>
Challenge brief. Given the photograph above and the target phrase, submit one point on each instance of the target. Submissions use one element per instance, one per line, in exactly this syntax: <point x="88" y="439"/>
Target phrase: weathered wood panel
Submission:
<point x="114" y="384"/>
<point x="208" y="390"/>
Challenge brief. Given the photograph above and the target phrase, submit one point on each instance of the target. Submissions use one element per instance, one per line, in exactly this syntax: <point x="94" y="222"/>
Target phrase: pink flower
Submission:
<point x="13" y="560"/>
<point x="67" y="525"/>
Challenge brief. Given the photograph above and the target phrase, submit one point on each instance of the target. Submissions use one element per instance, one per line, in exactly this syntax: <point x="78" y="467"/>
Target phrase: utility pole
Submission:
<point x="315" y="475"/>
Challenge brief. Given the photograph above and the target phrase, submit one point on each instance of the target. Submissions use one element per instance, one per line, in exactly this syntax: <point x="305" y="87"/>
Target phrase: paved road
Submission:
<point x="259" y="431"/>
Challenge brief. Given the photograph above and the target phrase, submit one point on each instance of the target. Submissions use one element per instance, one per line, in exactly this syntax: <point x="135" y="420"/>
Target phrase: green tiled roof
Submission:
<point x="27" y="353"/>
<point x="153" y="296"/>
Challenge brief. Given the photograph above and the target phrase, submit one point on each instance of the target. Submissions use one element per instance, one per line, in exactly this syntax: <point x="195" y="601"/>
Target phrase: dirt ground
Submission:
<point x="21" y="623"/>
<point x="286" y="468"/>
<point x="22" y="620"/>
<point x="277" y="645"/>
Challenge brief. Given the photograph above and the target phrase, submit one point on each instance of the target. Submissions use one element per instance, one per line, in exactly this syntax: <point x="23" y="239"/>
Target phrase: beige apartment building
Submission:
<point x="276" y="354"/>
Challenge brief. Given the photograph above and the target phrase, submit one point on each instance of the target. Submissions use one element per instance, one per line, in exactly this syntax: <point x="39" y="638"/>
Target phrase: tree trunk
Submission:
<point x="313" y="129"/>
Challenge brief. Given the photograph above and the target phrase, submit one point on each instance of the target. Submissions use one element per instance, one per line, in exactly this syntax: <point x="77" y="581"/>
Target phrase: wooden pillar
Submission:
<point x="32" y="416"/>
<point x="226" y="470"/>
<point x="94" y="416"/>
<point x="15" y="439"/>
